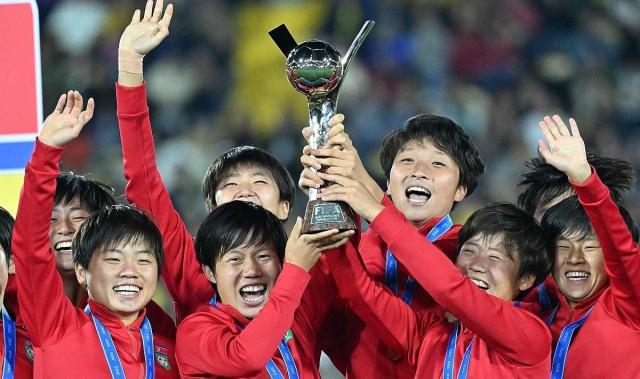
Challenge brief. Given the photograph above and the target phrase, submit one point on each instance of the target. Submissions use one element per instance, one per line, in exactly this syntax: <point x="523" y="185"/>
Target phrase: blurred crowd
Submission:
<point x="493" y="66"/>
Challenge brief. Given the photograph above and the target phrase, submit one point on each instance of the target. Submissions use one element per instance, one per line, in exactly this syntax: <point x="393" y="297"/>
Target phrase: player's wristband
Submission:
<point x="129" y="61"/>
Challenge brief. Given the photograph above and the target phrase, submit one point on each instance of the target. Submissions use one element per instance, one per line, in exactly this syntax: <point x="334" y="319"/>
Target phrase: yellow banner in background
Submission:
<point x="10" y="185"/>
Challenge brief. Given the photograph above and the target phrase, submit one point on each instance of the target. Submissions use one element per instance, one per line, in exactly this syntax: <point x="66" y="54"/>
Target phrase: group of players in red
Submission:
<point x="547" y="289"/>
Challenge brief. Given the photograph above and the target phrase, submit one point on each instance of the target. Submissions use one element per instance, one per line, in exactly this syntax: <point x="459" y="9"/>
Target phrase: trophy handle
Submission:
<point x="355" y="45"/>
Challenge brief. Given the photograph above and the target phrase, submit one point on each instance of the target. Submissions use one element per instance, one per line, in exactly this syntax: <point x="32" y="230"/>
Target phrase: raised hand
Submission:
<point x="143" y="34"/>
<point x="67" y="120"/>
<point x="564" y="149"/>
<point x="304" y="250"/>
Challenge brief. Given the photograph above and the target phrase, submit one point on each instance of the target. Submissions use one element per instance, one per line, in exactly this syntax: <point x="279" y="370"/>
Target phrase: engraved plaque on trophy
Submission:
<point x="315" y="69"/>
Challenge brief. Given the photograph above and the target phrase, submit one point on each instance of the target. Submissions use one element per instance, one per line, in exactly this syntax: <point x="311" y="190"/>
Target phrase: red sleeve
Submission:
<point x="386" y="201"/>
<point x="318" y="297"/>
<point x="395" y="323"/>
<point x="621" y="253"/>
<point x="183" y="276"/>
<point x="44" y="308"/>
<point x="372" y="250"/>
<point x="521" y="337"/>
<point x="206" y="346"/>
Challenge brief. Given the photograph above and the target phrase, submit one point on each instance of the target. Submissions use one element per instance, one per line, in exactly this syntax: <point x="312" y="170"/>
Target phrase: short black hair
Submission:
<point x="6" y="228"/>
<point x="542" y="182"/>
<point x="112" y="226"/>
<point x="446" y="135"/>
<point x="249" y="156"/>
<point x="236" y="224"/>
<point x="568" y="219"/>
<point x="521" y="233"/>
<point x="91" y="193"/>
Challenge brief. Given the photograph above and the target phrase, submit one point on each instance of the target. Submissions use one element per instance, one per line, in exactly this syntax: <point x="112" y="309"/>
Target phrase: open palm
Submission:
<point x="143" y="34"/>
<point x="67" y="120"/>
<point x="564" y="149"/>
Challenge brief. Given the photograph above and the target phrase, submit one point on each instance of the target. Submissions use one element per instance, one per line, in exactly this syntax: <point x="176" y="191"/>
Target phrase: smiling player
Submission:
<point x="266" y="313"/>
<point x="594" y="299"/>
<point x="117" y="255"/>
<point x="430" y="165"/>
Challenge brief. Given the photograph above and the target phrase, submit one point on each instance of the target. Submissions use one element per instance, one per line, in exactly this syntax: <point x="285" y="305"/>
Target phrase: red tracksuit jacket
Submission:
<point x="606" y="345"/>
<point x="64" y="338"/>
<point x="211" y="343"/>
<point x="182" y="274"/>
<point x="160" y="321"/>
<point x="510" y="342"/>
<point x="353" y="345"/>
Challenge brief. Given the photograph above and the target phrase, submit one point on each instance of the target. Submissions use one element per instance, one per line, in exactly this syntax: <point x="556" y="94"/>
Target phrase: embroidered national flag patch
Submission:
<point x="160" y="349"/>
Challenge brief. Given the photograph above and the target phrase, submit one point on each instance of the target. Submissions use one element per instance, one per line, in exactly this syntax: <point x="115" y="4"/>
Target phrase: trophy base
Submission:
<point x="326" y="215"/>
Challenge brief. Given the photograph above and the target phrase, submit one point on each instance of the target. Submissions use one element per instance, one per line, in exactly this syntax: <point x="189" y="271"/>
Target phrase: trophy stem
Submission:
<point x="320" y="112"/>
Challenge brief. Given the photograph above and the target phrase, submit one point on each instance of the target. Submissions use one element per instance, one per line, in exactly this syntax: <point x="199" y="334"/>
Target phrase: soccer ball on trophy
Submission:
<point x="314" y="68"/>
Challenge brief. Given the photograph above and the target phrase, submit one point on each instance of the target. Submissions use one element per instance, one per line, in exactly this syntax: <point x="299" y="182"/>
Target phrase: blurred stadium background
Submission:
<point x="494" y="66"/>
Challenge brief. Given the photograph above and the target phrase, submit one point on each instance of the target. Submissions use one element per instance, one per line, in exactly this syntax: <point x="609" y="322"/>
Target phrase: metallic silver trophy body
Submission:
<point x="315" y="69"/>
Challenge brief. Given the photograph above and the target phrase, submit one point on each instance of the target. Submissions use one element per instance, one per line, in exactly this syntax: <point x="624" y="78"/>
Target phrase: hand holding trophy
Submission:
<point x="315" y="69"/>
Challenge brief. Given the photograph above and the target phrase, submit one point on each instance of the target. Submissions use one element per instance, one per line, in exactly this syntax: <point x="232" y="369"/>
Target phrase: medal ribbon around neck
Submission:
<point x="449" y="359"/>
<point x="391" y="269"/>
<point x="111" y="355"/>
<point x="562" y="347"/>
<point x="9" y="334"/>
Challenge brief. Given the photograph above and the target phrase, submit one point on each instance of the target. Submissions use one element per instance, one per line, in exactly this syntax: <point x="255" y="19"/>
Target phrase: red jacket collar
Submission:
<point x="583" y="306"/>
<point x="110" y="320"/>
<point x="232" y="313"/>
<point x="424" y="229"/>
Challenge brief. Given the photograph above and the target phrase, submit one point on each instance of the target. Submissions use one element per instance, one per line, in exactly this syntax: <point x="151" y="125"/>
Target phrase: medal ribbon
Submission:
<point x="448" y="369"/>
<point x="391" y="269"/>
<point x="272" y="369"/>
<point x="562" y="347"/>
<point x="545" y="301"/>
<point x="9" y="333"/>
<point x="110" y="353"/>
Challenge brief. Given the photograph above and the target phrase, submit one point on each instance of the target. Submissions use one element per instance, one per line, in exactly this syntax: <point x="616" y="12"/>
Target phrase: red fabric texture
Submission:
<point x="511" y="342"/>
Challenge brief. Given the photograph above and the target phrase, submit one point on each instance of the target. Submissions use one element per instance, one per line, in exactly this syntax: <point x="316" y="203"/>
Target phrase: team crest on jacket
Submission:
<point x="28" y="350"/>
<point x="161" y="356"/>
<point x="288" y="335"/>
<point x="163" y="360"/>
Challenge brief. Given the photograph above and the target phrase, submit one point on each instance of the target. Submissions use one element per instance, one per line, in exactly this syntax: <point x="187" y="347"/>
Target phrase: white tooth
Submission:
<point x="127" y="288"/>
<point x="480" y="283"/>
<point x="577" y="276"/>
<point x="63" y="245"/>
<point x="255" y="288"/>
<point x="417" y="189"/>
